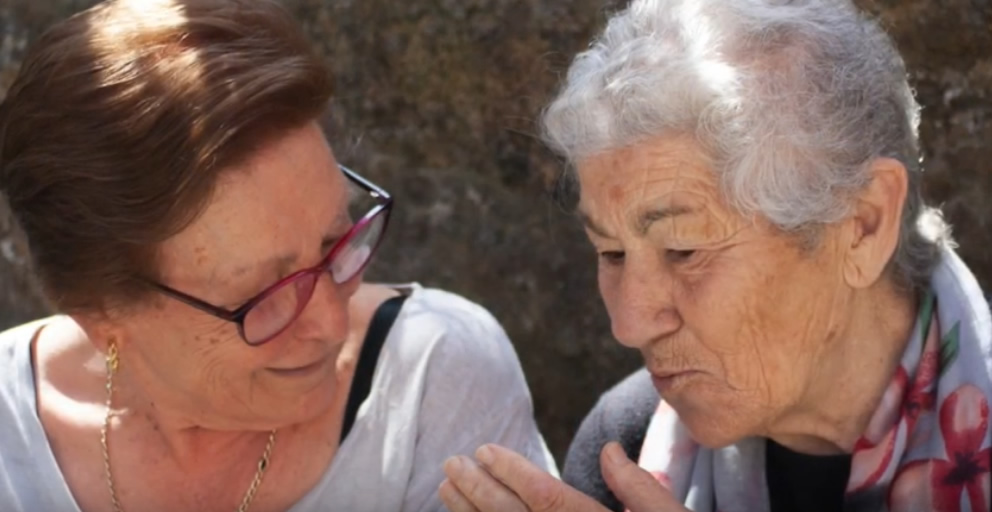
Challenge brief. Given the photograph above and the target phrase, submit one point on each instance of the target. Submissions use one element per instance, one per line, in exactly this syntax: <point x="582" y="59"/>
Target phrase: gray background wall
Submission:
<point x="437" y="101"/>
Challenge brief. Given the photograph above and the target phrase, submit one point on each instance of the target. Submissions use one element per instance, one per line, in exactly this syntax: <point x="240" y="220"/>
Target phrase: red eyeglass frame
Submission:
<point x="237" y="316"/>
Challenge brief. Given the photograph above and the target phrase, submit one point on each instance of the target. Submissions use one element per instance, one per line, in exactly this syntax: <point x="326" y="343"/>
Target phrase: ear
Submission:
<point x="875" y="224"/>
<point x="100" y="329"/>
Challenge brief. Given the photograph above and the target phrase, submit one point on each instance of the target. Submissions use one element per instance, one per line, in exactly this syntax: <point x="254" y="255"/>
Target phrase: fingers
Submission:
<point x="473" y="488"/>
<point x="540" y="491"/>
<point x="506" y="481"/>
<point x="632" y="485"/>
<point x="453" y="499"/>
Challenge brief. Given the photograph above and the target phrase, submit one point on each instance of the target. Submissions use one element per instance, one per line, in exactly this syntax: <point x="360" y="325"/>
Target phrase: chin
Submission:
<point x="712" y="427"/>
<point x="301" y="403"/>
<point x="318" y="400"/>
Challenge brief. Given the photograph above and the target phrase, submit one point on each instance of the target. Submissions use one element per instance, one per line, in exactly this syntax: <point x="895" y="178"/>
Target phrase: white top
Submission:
<point x="447" y="381"/>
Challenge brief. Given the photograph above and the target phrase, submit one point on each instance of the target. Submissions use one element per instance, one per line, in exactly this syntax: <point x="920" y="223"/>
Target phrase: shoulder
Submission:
<point x="454" y="333"/>
<point x="450" y="311"/>
<point x="455" y="357"/>
<point x="19" y="370"/>
<point x="20" y="432"/>
<point x="363" y="305"/>
<point x="621" y="414"/>
<point x="15" y="358"/>
<point x="20" y="334"/>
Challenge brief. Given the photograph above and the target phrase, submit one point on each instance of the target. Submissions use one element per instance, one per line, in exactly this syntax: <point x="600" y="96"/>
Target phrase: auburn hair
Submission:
<point x="122" y="118"/>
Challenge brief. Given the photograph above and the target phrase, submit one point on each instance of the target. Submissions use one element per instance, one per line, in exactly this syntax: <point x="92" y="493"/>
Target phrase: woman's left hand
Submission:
<point x="504" y="481"/>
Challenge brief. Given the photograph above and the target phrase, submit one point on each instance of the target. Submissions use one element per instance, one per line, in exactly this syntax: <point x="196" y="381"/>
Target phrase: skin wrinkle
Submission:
<point x="749" y="381"/>
<point x="810" y="331"/>
<point x="198" y="350"/>
<point x="833" y="321"/>
<point x="676" y="233"/>
<point x="724" y="94"/>
<point x="758" y="380"/>
<point x="652" y="216"/>
<point x="767" y="324"/>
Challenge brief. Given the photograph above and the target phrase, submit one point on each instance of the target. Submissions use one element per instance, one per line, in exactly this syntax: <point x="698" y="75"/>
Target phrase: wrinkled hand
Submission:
<point x="504" y="481"/>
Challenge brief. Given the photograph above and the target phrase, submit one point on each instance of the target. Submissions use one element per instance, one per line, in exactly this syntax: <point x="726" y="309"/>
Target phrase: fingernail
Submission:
<point x="485" y="455"/>
<point x="453" y="466"/>
<point x="615" y="454"/>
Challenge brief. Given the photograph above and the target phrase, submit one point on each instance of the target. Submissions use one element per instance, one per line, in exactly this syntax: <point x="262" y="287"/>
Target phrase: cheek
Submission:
<point x="715" y="301"/>
<point x="729" y="307"/>
<point x="772" y="320"/>
<point x="194" y="348"/>
<point x="608" y="280"/>
<point x="219" y="350"/>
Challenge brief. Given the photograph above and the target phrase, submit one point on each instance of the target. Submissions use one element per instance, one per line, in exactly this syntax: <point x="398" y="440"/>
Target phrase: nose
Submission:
<point x="325" y="317"/>
<point x="641" y="305"/>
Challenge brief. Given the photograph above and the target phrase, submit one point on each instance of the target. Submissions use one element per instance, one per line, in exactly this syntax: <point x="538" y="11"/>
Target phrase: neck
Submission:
<point x="189" y="442"/>
<point x="191" y="433"/>
<point x="850" y="375"/>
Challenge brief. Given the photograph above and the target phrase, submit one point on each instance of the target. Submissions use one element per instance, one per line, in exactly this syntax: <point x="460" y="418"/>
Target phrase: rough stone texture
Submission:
<point x="948" y="48"/>
<point x="437" y="101"/>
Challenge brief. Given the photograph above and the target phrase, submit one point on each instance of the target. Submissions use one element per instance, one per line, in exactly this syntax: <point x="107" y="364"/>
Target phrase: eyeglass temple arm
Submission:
<point x="364" y="183"/>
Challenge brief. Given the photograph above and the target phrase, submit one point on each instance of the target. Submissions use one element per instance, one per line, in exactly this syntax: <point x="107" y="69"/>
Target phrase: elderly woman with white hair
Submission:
<point x="749" y="174"/>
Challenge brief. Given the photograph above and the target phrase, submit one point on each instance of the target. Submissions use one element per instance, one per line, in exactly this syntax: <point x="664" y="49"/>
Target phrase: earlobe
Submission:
<point x="98" y="331"/>
<point x="875" y="223"/>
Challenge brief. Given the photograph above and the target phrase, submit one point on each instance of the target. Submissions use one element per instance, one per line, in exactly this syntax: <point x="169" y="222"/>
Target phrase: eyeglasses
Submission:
<point x="269" y="313"/>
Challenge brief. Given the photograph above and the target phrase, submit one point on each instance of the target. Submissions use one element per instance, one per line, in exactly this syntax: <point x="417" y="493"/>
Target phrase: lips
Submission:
<point x="301" y="370"/>
<point x="664" y="374"/>
<point x="670" y="380"/>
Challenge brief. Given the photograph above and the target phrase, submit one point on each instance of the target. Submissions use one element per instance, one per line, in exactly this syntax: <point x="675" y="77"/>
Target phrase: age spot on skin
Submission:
<point x="213" y="340"/>
<point x="201" y="255"/>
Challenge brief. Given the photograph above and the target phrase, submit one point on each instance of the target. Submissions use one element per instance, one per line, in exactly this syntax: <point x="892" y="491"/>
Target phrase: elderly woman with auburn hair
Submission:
<point x="749" y="174"/>
<point x="216" y="347"/>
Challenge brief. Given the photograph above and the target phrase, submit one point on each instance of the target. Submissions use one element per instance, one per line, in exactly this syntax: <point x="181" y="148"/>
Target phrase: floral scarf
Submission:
<point x="927" y="446"/>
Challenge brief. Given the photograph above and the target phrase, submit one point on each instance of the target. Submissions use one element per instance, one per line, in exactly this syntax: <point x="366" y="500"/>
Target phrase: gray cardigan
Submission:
<point x="621" y="414"/>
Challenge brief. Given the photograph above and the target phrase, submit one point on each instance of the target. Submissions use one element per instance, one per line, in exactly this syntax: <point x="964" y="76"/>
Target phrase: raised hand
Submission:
<point x="503" y="481"/>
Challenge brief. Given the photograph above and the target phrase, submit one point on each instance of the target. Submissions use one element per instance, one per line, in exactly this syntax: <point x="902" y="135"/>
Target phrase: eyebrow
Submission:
<point x="282" y="264"/>
<point x="649" y="217"/>
<point x="643" y="223"/>
<point x="591" y="225"/>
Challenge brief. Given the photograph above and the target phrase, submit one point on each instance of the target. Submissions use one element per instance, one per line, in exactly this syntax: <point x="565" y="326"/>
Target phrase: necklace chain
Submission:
<point x="113" y="361"/>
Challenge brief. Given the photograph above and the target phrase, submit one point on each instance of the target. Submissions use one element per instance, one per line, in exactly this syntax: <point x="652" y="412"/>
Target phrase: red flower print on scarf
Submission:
<point x="895" y="418"/>
<point x="963" y="476"/>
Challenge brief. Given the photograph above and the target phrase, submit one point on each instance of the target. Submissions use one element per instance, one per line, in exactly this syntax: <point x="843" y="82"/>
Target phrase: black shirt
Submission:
<point x="807" y="483"/>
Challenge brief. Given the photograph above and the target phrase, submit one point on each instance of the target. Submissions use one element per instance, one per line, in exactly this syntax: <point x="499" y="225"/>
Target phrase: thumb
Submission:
<point x="636" y="488"/>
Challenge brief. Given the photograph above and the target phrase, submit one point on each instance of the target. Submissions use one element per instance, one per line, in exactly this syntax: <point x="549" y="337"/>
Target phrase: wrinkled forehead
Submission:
<point x="671" y="172"/>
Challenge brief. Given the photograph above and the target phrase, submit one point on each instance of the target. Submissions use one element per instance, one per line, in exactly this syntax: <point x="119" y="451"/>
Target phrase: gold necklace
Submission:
<point x="113" y="361"/>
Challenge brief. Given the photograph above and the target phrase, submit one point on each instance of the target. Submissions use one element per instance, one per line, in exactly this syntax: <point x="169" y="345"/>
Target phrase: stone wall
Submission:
<point x="437" y="100"/>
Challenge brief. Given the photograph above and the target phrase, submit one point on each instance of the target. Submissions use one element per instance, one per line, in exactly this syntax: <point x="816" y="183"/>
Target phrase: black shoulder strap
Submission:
<point x="361" y="384"/>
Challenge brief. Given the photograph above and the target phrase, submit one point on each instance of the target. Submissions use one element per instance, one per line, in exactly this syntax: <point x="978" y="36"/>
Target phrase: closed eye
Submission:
<point x="677" y="256"/>
<point x="612" y="257"/>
